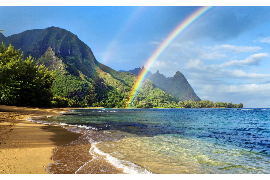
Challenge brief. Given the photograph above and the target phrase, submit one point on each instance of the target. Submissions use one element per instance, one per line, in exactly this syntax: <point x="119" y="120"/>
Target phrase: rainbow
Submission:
<point x="178" y="30"/>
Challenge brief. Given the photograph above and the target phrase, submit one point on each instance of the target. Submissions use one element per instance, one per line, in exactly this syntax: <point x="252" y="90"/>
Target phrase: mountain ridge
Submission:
<point x="64" y="43"/>
<point x="178" y="86"/>
<point x="80" y="79"/>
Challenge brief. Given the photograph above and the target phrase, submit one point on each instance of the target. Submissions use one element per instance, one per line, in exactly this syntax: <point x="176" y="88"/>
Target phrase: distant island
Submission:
<point x="52" y="67"/>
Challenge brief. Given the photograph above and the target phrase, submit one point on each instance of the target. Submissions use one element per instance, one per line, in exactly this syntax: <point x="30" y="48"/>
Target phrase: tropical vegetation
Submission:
<point x="52" y="67"/>
<point x="22" y="81"/>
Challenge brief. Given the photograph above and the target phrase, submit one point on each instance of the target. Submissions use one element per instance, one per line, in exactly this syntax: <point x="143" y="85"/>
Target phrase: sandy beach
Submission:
<point x="32" y="148"/>
<point x="27" y="147"/>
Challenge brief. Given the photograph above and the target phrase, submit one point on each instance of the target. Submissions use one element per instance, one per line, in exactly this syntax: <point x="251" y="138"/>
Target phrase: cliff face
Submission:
<point x="50" y="60"/>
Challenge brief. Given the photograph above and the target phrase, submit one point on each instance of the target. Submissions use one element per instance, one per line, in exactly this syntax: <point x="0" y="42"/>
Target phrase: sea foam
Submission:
<point x="127" y="166"/>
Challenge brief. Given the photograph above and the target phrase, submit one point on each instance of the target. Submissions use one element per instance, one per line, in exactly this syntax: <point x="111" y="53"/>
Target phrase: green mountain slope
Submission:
<point x="74" y="53"/>
<point x="80" y="80"/>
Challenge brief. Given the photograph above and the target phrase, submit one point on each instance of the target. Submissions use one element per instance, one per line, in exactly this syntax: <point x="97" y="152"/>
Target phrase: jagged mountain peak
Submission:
<point x="178" y="73"/>
<point x="157" y="72"/>
<point x="179" y="77"/>
<point x="177" y="85"/>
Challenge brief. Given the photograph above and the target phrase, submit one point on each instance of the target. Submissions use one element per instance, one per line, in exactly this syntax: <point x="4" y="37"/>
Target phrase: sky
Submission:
<point x="224" y="54"/>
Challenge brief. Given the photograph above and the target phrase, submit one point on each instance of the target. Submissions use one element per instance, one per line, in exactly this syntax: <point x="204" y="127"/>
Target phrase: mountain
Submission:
<point x="76" y="79"/>
<point x="75" y="53"/>
<point x="50" y="60"/>
<point x="80" y="80"/>
<point x="2" y="37"/>
<point x="177" y="86"/>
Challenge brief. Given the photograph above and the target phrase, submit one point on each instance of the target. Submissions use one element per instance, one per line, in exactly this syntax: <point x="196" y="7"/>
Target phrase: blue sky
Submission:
<point x="225" y="54"/>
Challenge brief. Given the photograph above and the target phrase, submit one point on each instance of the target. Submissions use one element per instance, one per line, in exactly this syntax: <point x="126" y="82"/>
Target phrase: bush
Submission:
<point x="23" y="82"/>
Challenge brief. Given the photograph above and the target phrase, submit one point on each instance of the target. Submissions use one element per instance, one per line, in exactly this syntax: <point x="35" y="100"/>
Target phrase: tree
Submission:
<point x="240" y="105"/>
<point x="22" y="81"/>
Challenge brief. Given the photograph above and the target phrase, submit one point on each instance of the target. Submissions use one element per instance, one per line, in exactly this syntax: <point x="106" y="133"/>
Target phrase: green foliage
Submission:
<point x="70" y="90"/>
<point x="22" y="81"/>
<point x="150" y="96"/>
<point x="76" y="79"/>
<point x="200" y="104"/>
<point x="115" y="100"/>
<point x="124" y="78"/>
<point x="59" y="101"/>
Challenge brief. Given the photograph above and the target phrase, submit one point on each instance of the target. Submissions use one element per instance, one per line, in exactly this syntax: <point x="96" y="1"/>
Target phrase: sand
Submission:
<point x="31" y="148"/>
<point x="26" y="147"/>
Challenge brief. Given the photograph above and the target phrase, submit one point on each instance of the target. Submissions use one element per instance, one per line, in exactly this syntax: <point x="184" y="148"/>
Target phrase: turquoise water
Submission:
<point x="196" y="141"/>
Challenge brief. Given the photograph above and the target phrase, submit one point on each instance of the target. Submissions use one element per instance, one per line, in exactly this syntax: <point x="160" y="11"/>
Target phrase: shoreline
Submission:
<point x="27" y="147"/>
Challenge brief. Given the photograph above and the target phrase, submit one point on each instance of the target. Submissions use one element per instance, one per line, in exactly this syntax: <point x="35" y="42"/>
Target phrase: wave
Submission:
<point x="127" y="166"/>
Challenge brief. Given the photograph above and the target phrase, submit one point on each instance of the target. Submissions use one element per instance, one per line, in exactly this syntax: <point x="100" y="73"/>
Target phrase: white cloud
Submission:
<point x="238" y="49"/>
<point x="229" y="79"/>
<point x="213" y="56"/>
<point x="267" y="40"/>
<point x="254" y="59"/>
<point x="196" y="64"/>
<point x="218" y="51"/>
<point x="242" y="74"/>
<point x="238" y="88"/>
<point x="251" y="95"/>
<point x="218" y="71"/>
<point x="161" y="66"/>
<point x="249" y="88"/>
<point x="234" y="49"/>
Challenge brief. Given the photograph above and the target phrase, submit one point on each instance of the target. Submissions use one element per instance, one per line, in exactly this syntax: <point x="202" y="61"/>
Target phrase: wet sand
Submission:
<point x="31" y="148"/>
<point x="26" y="147"/>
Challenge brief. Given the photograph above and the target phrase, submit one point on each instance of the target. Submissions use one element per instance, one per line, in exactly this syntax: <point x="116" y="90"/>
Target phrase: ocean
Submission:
<point x="173" y="141"/>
